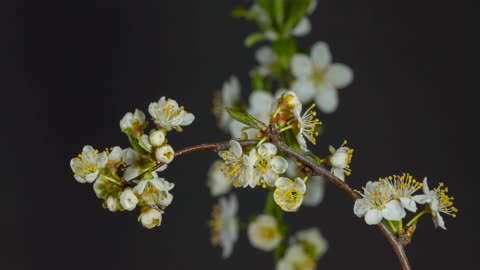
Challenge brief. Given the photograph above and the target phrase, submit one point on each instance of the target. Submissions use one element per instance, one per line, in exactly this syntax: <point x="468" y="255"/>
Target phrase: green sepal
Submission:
<point x="245" y="118"/>
<point x="288" y="137"/>
<point x="136" y="145"/>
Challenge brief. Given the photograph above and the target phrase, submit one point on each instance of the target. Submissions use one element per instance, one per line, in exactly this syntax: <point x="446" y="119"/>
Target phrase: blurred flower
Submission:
<point x="377" y="203"/>
<point x="296" y="258"/>
<point x="267" y="59"/>
<point x="168" y="115"/>
<point x="224" y="224"/>
<point x="86" y="166"/>
<point x="315" y="185"/>
<point x="289" y="194"/>
<point x="263" y="233"/>
<point x="217" y="182"/>
<point x="227" y="97"/>
<point x="313" y="242"/>
<point x="317" y="78"/>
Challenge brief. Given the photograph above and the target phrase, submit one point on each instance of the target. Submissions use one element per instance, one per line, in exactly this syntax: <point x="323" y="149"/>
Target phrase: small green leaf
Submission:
<point x="280" y="251"/>
<point x="285" y="49"/>
<point x="245" y="118"/>
<point x="279" y="11"/>
<point x="288" y="137"/>
<point x="254" y="38"/>
<point x="295" y="11"/>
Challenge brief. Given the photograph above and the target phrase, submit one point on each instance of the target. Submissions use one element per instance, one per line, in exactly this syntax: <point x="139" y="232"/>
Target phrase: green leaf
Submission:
<point x="245" y="118"/>
<point x="317" y="159"/>
<point x="295" y="11"/>
<point x="285" y="49"/>
<point x="267" y="6"/>
<point x="239" y="12"/>
<point x="288" y="137"/>
<point x="254" y="38"/>
<point x="280" y="251"/>
<point x="279" y="11"/>
<point x="136" y="145"/>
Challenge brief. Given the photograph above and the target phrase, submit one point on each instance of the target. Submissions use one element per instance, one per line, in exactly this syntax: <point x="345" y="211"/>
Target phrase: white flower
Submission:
<point x="224" y="224"/>
<point x="315" y="185"/>
<point x="155" y="191"/>
<point x="267" y="59"/>
<point x="157" y="137"/>
<point x="306" y="125"/>
<point x="238" y="167"/>
<point x="227" y="97"/>
<point x="88" y="164"/>
<point x="112" y="203"/>
<point x="340" y="161"/>
<point x="289" y="194"/>
<point x="312" y="238"/>
<point x="151" y="218"/>
<point x="137" y="164"/>
<point x="377" y="203"/>
<point x="133" y="123"/>
<point x="165" y="154"/>
<point x="403" y="188"/>
<point x="263" y="233"/>
<point x="168" y="115"/>
<point x="266" y="164"/>
<point x="296" y="258"/>
<point x="217" y="182"/>
<point x="104" y="186"/>
<point x="439" y="202"/>
<point x="317" y="78"/>
<point x="128" y="200"/>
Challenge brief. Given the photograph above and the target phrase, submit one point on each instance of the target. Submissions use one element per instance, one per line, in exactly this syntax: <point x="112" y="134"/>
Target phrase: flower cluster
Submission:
<point x="128" y="178"/>
<point x="389" y="197"/>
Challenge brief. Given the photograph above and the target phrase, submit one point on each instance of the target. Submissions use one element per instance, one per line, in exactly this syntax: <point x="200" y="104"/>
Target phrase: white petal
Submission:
<point x="422" y="199"/>
<point x="267" y="149"/>
<point x="373" y="217"/>
<point x="327" y="98"/>
<point x="91" y="177"/>
<point x="140" y="116"/>
<point x="305" y="89"/>
<point x="301" y="66"/>
<point x="361" y="207"/>
<point x="338" y="172"/>
<point x="116" y="155"/>
<point x="284" y="183"/>
<point x="312" y="6"/>
<point x="102" y="160"/>
<point x="300" y="185"/>
<point x="265" y="55"/>
<point x="393" y="211"/>
<point x="339" y="75"/>
<point x="302" y="142"/>
<point x="130" y="156"/>
<point x="187" y="119"/>
<point x="438" y="221"/>
<point x="235" y="148"/>
<point x="425" y="188"/>
<point x="161" y="168"/>
<point x="130" y="173"/>
<point x="315" y="191"/>
<point x="409" y="204"/>
<point x="321" y="55"/>
<point x="279" y="164"/>
<point x="303" y="27"/>
<point x="79" y="179"/>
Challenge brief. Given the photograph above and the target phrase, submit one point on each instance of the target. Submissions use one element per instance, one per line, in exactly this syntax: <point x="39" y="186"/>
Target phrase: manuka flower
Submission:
<point x="378" y="203"/>
<point x="224" y="224"/>
<point x="317" y="78"/>
<point x="289" y="194"/>
<point x="238" y="167"/>
<point x="266" y="164"/>
<point x="167" y="114"/>
<point x="86" y="167"/>
<point x="155" y="191"/>
<point x="264" y="233"/>
<point x="438" y="201"/>
<point x="340" y="161"/>
<point x="218" y="183"/>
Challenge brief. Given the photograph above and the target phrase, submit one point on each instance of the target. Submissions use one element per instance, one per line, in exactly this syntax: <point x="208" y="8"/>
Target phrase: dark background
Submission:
<point x="71" y="69"/>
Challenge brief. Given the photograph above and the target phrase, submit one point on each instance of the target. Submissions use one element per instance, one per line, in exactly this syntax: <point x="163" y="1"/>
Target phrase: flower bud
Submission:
<point x="128" y="200"/>
<point x="112" y="203"/>
<point x="157" y="137"/>
<point x="151" y="218"/>
<point x="165" y="154"/>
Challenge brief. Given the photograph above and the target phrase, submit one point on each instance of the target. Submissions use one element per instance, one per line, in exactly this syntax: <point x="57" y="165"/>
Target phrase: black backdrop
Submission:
<point x="71" y="69"/>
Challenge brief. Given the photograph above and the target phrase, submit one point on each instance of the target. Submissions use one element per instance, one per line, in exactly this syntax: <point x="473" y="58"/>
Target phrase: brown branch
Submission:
<point x="315" y="168"/>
